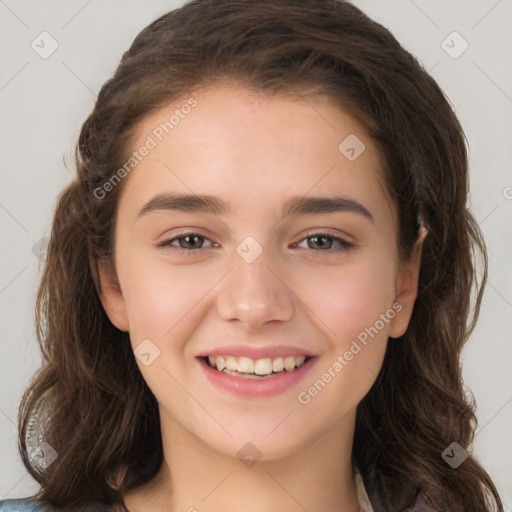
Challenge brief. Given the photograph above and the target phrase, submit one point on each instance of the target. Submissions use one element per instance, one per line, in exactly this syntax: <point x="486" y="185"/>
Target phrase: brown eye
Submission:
<point x="187" y="242"/>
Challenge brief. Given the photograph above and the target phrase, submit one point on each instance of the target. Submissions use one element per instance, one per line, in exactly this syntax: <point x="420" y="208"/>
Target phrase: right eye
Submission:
<point x="189" y="239"/>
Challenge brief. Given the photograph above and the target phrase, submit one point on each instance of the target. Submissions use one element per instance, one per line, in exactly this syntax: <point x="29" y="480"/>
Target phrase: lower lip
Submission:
<point x="257" y="387"/>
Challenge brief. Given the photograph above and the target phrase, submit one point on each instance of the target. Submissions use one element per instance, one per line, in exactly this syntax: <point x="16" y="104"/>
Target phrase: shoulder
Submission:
<point x="422" y="504"/>
<point x="23" y="504"/>
<point x="34" y="505"/>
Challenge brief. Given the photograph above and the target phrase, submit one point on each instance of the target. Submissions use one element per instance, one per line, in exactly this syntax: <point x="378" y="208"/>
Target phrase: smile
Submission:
<point x="256" y="377"/>
<point x="246" y="367"/>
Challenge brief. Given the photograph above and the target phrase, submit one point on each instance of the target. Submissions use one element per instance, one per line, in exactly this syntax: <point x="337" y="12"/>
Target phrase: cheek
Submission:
<point x="350" y="304"/>
<point x="349" y="299"/>
<point x="164" y="305"/>
<point x="162" y="302"/>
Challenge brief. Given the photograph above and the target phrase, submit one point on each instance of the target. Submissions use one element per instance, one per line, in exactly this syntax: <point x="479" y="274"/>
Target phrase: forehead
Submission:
<point x="252" y="149"/>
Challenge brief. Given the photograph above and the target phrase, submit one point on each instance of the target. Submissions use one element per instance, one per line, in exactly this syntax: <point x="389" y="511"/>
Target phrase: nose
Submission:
<point x="255" y="293"/>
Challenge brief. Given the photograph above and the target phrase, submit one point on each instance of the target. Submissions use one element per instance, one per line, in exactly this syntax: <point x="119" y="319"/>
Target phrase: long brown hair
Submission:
<point x="89" y="398"/>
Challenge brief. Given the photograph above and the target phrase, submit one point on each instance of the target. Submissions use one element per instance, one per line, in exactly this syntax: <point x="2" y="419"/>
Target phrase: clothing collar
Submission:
<point x="362" y="497"/>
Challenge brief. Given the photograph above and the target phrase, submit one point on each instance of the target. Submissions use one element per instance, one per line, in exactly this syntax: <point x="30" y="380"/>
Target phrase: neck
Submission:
<point x="318" y="477"/>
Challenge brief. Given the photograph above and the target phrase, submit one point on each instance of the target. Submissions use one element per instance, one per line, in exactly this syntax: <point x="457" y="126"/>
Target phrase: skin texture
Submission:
<point x="255" y="152"/>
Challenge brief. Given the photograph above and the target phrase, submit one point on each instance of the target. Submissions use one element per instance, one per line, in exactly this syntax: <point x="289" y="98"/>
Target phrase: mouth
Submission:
<point x="256" y="378"/>
<point x="249" y="368"/>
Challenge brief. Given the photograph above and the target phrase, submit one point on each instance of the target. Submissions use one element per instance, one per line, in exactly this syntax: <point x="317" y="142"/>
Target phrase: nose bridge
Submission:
<point x="253" y="292"/>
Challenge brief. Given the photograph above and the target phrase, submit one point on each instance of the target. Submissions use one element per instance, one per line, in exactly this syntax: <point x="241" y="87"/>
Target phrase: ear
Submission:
<point x="111" y="296"/>
<point x="406" y="288"/>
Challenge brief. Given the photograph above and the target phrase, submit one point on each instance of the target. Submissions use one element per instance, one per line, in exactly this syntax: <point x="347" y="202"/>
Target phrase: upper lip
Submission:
<point x="255" y="352"/>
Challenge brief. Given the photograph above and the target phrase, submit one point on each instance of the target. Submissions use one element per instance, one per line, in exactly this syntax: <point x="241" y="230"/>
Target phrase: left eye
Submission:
<point x="320" y="238"/>
<point x="189" y="242"/>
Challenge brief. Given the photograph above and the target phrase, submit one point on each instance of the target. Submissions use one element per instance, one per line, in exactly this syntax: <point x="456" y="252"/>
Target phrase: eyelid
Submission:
<point x="344" y="243"/>
<point x="176" y="236"/>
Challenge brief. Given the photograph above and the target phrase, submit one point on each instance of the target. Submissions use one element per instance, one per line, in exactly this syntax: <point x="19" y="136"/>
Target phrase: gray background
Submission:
<point x="44" y="101"/>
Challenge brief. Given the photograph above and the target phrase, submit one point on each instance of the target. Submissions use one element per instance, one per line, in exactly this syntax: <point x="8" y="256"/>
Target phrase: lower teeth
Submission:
<point x="249" y="375"/>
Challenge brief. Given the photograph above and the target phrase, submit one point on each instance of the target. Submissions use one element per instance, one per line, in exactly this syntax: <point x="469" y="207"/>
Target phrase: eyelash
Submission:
<point x="344" y="245"/>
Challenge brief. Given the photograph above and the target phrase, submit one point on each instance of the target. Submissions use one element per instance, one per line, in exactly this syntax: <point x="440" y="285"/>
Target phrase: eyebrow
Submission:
<point x="295" y="205"/>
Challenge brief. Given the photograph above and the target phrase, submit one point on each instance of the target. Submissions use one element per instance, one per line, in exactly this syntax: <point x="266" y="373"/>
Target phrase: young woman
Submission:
<point x="258" y="287"/>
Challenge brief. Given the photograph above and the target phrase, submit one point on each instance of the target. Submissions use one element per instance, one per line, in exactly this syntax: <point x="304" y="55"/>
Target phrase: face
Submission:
<point x="250" y="280"/>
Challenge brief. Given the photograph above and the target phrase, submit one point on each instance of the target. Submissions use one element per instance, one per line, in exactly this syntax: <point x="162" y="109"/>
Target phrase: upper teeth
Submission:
<point x="263" y="366"/>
